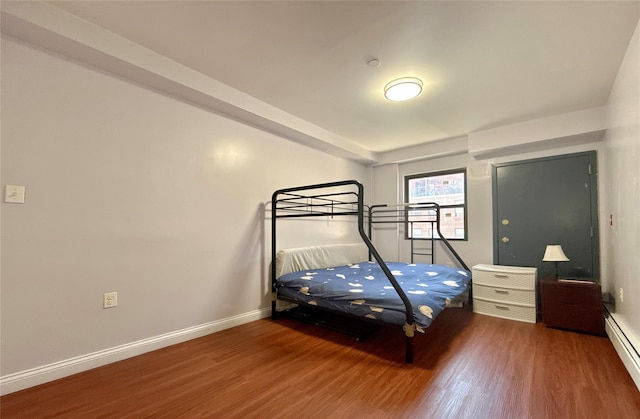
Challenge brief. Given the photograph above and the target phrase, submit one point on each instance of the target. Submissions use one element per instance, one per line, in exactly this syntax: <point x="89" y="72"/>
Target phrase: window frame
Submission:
<point x="464" y="206"/>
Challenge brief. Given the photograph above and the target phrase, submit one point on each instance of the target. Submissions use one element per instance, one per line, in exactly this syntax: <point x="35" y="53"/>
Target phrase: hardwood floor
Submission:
<point x="466" y="366"/>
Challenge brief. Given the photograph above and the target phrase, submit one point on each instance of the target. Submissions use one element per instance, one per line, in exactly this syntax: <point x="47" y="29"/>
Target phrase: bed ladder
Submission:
<point x="431" y="251"/>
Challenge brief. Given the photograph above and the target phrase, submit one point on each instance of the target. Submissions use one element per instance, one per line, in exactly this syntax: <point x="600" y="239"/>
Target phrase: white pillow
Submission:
<point x="316" y="257"/>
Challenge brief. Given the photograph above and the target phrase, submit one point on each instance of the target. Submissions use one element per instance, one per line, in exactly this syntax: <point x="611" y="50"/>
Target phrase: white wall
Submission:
<point x="133" y="191"/>
<point x="388" y="181"/>
<point x="479" y="247"/>
<point x="615" y="138"/>
<point x="621" y="240"/>
<point x="478" y="193"/>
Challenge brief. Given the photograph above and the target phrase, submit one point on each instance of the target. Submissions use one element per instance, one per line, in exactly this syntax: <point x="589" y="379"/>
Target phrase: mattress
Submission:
<point x="363" y="290"/>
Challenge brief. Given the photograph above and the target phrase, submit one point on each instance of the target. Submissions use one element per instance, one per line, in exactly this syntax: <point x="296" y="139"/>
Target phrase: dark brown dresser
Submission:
<point x="572" y="305"/>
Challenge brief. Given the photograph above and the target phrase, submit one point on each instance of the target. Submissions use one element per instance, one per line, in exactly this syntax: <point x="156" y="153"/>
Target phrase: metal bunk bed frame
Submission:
<point x="399" y="214"/>
<point x="292" y="203"/>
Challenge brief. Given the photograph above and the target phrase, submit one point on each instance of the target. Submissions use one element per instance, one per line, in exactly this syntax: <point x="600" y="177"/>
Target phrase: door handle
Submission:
<point x="505" y="239"/>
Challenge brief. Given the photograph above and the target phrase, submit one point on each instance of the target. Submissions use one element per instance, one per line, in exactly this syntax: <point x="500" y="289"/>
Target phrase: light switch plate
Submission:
<point x="14" y="194"/>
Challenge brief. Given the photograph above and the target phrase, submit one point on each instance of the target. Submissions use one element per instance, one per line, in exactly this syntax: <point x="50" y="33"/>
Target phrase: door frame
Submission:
<point x="593" y="190"/>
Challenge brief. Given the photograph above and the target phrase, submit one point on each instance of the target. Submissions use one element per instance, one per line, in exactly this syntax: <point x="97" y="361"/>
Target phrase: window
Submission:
<point x="447" y="189"/>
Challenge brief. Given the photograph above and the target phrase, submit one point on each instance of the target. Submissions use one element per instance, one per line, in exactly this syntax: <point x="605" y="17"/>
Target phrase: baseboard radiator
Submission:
<point x="40" y="375"/>
<point x="624" y="347"/>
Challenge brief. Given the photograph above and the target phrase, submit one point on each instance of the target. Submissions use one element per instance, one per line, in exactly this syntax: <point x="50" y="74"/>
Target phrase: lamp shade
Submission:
<point x="554" y="253"/>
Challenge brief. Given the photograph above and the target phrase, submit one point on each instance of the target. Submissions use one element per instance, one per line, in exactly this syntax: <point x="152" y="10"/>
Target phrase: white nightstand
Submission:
<point x="505" y="291"/>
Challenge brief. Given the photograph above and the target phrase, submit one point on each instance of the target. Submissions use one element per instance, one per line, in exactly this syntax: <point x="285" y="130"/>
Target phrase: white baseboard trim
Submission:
<point x="40" y="375"/>
<point x="625" y="349"/>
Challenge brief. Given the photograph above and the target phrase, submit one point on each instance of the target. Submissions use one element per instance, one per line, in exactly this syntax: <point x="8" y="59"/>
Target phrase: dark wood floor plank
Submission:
<point x="466" y="366"/>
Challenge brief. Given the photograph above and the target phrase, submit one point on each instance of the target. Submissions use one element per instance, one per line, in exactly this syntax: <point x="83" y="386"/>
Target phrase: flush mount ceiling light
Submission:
<point x="403" y="89"/>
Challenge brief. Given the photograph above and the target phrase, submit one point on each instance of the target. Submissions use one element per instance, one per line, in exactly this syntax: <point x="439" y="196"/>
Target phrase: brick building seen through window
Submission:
<point x="448" y="189"/>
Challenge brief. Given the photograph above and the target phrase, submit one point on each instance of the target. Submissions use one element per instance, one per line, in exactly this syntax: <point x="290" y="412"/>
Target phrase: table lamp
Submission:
<point x="554" y="253"/>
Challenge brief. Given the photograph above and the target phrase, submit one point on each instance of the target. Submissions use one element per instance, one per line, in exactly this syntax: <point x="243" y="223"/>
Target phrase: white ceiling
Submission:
<point x="484" y="64"/>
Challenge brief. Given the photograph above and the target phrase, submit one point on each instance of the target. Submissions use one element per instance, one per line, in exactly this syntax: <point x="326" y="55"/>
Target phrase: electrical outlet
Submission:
<point x="621" y="294"/>
<point x="110" y="299"/>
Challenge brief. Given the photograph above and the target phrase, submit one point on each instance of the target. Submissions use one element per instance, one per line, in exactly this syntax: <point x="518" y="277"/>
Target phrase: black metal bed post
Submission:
<point x="372" y="208"/>
<point x="409" y="327"/>
<point x="274" y="213"/>
<point x="433" y="243"/>
<point x="370" y="225"/>
<point x="457" y="256"/>
<point x="410" y="235"/>
<point x="446" y="242"/>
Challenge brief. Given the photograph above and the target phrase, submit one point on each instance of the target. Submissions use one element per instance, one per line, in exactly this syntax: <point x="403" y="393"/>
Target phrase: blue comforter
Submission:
<point x="363" y="290"/>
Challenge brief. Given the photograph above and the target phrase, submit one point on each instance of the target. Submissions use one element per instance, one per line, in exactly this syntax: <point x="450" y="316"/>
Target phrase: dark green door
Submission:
<point x="547" y="201"/>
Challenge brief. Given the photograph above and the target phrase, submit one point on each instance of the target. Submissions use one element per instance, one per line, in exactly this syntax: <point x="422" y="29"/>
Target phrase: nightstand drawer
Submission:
<point x="513" y="277"/>
<point x="574" y="293"/>
<point x="505" y="294"/>
<point x="572" y="305"/>
<point x="505" y="311"/>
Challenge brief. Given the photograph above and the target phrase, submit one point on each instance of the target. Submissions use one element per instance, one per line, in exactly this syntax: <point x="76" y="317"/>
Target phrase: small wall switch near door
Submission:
<point x="14" y="194"/>
<point x="110" y="299"/>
